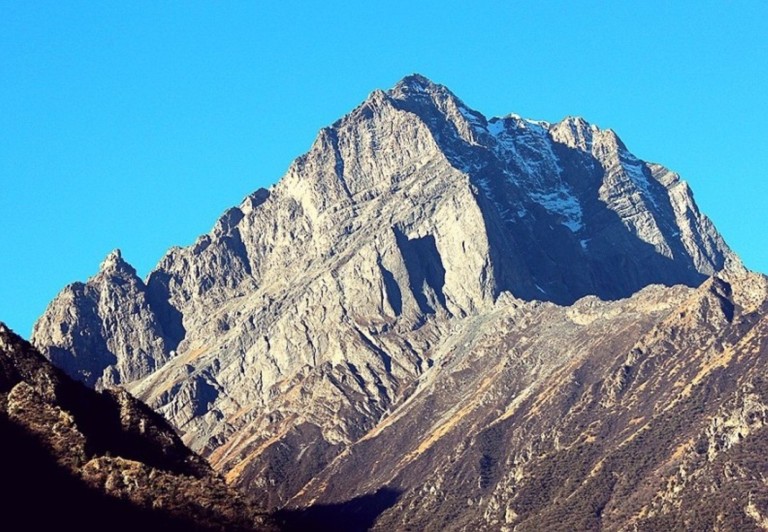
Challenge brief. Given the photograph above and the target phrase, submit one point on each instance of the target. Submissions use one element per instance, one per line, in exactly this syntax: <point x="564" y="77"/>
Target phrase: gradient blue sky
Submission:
<point x="135" y="124"/>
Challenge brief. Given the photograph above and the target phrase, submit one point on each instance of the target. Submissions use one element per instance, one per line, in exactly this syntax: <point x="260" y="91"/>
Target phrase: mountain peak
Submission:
<point x="577" y="132"/>
<point x="416" y="81"/>
<point x="415" y="85"/>
<point x="114" y="263"/>
<point x="578" y="124"/>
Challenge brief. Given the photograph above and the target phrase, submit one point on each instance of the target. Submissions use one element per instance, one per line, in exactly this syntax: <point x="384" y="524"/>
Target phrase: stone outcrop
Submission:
<point x="107" y="331"/>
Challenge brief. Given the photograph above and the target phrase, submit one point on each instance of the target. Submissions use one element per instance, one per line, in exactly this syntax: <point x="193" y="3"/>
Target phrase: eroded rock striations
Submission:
<point x="314" y="315"/>
<point x="106" y="331"/>
<point x="647" y="413"/>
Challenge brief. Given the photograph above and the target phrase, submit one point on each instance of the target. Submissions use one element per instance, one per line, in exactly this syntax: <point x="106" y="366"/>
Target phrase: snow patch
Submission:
<point x="633" y="167"/>
<point x="540" y="123"/>
<point x="469" y="115"/>
<point x="525" y="143"/>
<point x="561" y="202"/>
<point x="475" y="121"/>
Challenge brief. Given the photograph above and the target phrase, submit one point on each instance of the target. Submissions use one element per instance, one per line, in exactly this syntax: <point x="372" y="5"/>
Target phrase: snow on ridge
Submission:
<point x="471" y="117"/>
<point x="528" y="144"/>
<point x="633" y="167"/>
<point x="514" y="116"/>
<point x="513" y="135"/>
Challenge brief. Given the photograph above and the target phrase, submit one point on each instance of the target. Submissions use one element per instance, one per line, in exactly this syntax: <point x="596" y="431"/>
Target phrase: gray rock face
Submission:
<point x="106" y="331"/>
<point x="313" y="309"/>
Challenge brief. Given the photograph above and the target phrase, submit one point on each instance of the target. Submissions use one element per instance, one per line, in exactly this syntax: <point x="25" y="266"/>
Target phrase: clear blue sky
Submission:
<point x="135" y="124"/>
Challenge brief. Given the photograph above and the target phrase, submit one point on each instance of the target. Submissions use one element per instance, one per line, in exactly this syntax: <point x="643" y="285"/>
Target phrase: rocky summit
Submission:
<point x="441" y="320"/>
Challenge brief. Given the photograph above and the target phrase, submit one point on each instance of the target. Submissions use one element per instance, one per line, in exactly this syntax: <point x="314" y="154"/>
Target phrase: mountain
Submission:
<point x="417" y="258"/>
<point x="93" y="460"/>
<point x="648" y="413"/>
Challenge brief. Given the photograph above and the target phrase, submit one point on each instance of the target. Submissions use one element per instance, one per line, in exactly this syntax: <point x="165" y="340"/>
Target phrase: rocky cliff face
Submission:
<point x="107" y="331"/>
<point x="91" y="460"/>
<point x="315" y="311"/>
<point x="641" y="414"/>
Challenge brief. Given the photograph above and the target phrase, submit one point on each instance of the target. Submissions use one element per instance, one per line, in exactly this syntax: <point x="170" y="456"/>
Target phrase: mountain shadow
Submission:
<point x="425" y="269"/>
<point x="41" y="495"/>
<point x="356" y="515"/>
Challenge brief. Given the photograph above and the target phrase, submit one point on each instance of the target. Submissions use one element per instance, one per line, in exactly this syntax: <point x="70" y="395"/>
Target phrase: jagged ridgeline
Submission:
<point x="418" y="263"/>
